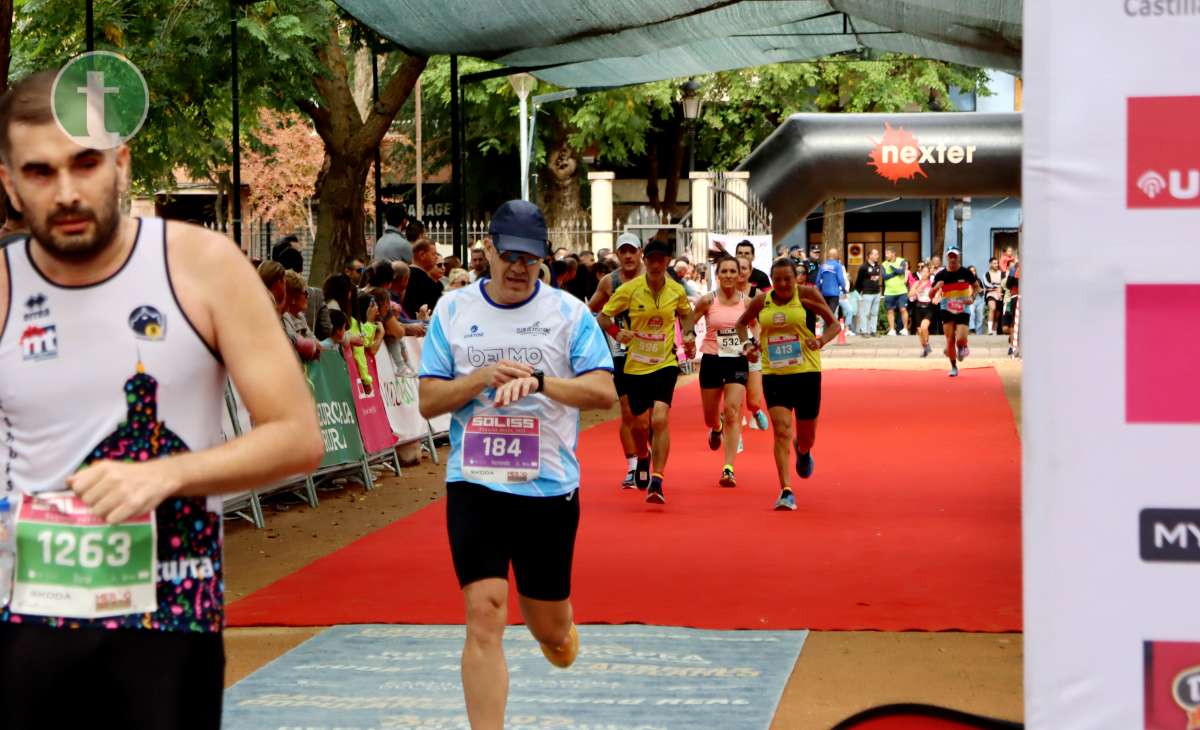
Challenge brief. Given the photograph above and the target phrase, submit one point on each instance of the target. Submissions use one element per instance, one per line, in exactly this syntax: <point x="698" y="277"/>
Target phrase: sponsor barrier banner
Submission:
<point x="373" y="422"/>
<point x="413" y="346"/>
<point x="330" y="381"/>
<point x="1112" y="418"/>
<point x="398" y="388"/>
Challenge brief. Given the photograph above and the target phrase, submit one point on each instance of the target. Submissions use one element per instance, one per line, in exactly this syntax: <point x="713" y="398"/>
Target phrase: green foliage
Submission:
<point x="183" y="50"/>
<point x="748" y="105"/>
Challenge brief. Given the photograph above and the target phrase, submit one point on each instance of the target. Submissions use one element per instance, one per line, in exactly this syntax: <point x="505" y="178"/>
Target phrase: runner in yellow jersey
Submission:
<point x="653" y="302"/>
<point x="791" y="356"/>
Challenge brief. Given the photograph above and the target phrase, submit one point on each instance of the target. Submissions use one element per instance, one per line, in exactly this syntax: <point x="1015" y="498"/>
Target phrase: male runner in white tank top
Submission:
<point x="115" y="337"/>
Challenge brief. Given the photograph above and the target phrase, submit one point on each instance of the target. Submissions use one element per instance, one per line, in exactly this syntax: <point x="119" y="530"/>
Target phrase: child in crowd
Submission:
<point x="338" y="333"/>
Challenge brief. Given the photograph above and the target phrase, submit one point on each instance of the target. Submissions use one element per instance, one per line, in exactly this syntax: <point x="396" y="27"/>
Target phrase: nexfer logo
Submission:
<point x="899" y="156"/>
<point x="1164" y="153"/>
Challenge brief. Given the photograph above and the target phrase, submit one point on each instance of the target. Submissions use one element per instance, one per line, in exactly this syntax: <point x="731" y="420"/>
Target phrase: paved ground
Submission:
<point x="838" y="674"/>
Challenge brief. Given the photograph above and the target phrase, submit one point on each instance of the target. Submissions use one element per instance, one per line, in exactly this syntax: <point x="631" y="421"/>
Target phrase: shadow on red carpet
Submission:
<point x="911" y="522"/>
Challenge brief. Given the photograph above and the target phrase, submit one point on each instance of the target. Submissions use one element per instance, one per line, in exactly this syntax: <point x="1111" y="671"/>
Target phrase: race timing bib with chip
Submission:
<point x="502" y="449"/>
<point x="71" y="563"/>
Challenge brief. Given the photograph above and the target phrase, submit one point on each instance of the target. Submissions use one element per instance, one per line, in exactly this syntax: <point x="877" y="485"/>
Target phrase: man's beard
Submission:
<point x="84" y="247"/>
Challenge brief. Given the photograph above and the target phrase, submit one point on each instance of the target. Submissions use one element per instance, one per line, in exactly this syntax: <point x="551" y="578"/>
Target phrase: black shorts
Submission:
<point x="123" y="678"/>
<point x="799" y="392"/>
<point x="717" y="372"/>
<point x="922" y="311"/>
<point x="619" y="376"/>
<point x="490" y="529"/>
<point x="645" y="390"/>
<point x="895" y="301"/>
<point x="948" y="317"/>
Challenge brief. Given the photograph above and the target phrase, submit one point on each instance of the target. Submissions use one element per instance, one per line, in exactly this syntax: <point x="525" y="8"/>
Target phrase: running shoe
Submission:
<point x="563" y="656"/>
<point x="727" y="479"/>
<point x="926" y="350"/>
<point x="654" y="495"/>
<point x="641" y="475"/>
<point x="760" y="417"/>
<point x="714" y="440"/>
<point x="963" y="352"/>
<point x="628" y="483"/>
<point x="953" y="371"/>
<point x="741" y="446"/>
<point x="786" y="501"/>
<point x="805" y="464"/>
<point x="891" y="333"/>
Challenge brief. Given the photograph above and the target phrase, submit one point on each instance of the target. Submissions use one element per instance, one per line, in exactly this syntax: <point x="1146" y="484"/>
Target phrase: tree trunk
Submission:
<point x="671" y="194"/>
<point x="833" y="229"/>
<point x="941" y="212"/>
<point x="652" y="198"/>
<point x="340" y="218"/>
<point x="6" y="19"/>
<point x="561" y="200"/>
<point x="350" y="143"/>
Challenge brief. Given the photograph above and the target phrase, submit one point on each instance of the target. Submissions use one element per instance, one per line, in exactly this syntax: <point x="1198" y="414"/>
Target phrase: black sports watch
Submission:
<point x="541" y="380"/>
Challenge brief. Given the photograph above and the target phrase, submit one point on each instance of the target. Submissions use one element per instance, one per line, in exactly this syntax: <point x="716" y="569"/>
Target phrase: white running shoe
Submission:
<point x="891" y="333"/>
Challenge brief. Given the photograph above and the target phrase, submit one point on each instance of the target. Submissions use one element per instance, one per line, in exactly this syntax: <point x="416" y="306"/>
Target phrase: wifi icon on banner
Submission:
<point x="1151" y="183"/>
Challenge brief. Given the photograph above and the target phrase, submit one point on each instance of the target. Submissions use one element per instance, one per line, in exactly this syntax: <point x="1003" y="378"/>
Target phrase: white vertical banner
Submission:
<point x="398" y="387"/>
<point x="764" y="248"/>
<point x="413" y="346"/>
<point x="1111" y="330"/>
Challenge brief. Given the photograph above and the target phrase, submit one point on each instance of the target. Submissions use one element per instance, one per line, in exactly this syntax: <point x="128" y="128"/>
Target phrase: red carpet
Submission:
<point x="911" y="521"/>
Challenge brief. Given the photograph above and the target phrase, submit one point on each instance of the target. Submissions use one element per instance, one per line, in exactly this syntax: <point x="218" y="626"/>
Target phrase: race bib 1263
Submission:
<point x="72" y="564"/>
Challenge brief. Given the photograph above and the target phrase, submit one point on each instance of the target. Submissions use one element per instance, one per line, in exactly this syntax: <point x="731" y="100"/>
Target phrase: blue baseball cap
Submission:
<point x="519" y="225"/>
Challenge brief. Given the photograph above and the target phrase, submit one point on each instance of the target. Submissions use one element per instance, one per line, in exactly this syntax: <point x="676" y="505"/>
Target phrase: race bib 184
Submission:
<point x="72" y="564"/>
<point x="502" y="449"/>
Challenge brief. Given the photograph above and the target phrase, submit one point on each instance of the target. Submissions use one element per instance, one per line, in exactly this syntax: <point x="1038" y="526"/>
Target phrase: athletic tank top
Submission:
<point x="616" y="349"/>
<point x="114" y="370"/>
<point x="783" y="330"/>
<point x="720" y="334"/>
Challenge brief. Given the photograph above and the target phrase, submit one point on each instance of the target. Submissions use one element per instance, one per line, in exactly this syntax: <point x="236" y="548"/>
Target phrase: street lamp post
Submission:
<point x="691" y="101"/>
<point x="523" y="84"/>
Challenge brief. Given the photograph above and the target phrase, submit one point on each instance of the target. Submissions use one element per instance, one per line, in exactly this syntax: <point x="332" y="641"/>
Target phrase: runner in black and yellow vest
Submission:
<point x="791" y="368"/>
<point x="653" y="302"/>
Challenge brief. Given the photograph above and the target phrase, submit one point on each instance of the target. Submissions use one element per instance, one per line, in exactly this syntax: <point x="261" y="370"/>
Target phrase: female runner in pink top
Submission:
<point x="724" y="369"/>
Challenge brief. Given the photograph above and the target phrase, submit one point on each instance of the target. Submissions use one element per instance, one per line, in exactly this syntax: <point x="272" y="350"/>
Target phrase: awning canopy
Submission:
<point x="586" y="43"/>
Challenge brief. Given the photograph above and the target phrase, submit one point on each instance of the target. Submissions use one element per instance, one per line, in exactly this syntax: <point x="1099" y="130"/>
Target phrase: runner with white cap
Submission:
<point x="514" y="361"/>
<point x="958" y="287"/>
<point x="629" y="252"/>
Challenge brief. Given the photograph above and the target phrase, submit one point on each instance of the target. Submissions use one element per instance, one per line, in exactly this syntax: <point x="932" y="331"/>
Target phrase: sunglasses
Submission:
<point x="512" y="257"/>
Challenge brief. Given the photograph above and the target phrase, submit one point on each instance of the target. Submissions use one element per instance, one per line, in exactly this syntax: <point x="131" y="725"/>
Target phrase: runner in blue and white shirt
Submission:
<point x="514" y="362"/>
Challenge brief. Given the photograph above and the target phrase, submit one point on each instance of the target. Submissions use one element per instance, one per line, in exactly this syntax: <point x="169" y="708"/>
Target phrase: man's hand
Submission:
<point x="515" y="390"/>
<point x="625" y="336"/>
<point x="505" y="372"/>
<point x="813" y="344"/>
<point x="117" y="491"/>
<point x="423" y="313"/>
<point x="414" y="330"/>
<point x="689" y="348"/>
<point x="751" y="351"/>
